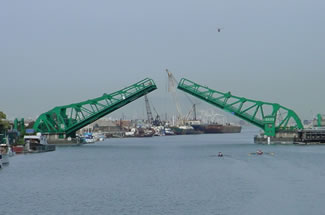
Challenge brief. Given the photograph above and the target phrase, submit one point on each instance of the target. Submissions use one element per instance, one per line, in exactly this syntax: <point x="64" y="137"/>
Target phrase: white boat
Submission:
<point x="169" y="131"/>
<point x="5" y="153"/>
<point x="130" y="133"/>
<point x="90" y="140"/>
<point x="37" y="143"/>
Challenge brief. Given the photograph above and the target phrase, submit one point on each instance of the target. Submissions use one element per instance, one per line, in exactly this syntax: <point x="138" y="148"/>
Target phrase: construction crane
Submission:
<point x="157" y="120"/>
<point x="154" y="121"/>
<point x="193" y="110"/>
<point x="172" y="85"/>
<point x="149" y="113"/>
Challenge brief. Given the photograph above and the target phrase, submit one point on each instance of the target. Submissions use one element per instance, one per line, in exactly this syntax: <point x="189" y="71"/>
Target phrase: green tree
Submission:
<point x="4" y="124"/>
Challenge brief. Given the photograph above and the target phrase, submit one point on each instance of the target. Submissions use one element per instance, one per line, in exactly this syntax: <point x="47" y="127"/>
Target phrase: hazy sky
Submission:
<point x="58" y="52"/>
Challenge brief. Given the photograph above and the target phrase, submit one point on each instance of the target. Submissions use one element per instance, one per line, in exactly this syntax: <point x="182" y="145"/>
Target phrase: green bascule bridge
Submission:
<point x="64" y="121"/>
<point x="274" y="119"/>
<point x="270" y="117"/>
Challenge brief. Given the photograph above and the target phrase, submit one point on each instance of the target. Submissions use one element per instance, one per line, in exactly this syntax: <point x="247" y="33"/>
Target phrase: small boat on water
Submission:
<point x="260" y="152"/>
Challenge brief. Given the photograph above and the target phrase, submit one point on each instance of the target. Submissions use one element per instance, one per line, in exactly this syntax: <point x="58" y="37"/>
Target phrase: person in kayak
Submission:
<point x="259" y="152"/>
<point x="220" y="154"/>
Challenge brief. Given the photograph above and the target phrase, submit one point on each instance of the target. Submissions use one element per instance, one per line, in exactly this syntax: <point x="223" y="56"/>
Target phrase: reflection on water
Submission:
<point x="167" y="175"/>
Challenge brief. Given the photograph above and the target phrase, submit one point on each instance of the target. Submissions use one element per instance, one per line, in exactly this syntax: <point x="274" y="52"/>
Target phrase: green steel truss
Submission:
<point x="19" y="125"/>
<point x="270" y="117"/>
<point x="70" y="118"/>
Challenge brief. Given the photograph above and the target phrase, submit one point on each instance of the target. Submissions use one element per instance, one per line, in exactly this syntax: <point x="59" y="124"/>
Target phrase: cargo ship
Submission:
<point x="217" y="128"/>
<point x="185" y="130"/>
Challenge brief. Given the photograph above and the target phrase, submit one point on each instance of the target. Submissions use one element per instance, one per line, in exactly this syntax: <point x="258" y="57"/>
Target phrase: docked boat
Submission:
<point x="185" y="130"/>
<point x="145" y="132"/>
<point x="89" y="138"/>
<point x="139" y="132"/>
<point x="5" y="153"/>
<point x="130" y="133"/>
<point x="217" y="128"/>
<point x="168" y="131"/>
<point x="37" y="143"/>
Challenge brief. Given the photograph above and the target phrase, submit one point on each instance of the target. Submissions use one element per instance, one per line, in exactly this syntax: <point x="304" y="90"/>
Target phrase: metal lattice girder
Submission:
<point x="270" y="117"/>
<point x="70" y="118"/>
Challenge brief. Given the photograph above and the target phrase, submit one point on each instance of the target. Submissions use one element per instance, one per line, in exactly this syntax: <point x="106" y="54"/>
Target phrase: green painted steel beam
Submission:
<point x="70" y="118"/>
<point x="270" y="117"/>
<point x="319" y="120"/>
<point x="19" y="125"/>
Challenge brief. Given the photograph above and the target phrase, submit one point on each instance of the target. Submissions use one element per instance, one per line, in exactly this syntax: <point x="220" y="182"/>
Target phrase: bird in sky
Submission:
<point x="219" y="29"/>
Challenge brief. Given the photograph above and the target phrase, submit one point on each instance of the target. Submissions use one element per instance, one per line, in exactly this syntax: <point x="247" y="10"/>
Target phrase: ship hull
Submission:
<point x="179" y="131"/>
<point x="217" y="128"/>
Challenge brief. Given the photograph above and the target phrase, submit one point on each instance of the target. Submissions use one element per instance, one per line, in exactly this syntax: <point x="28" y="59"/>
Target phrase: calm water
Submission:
<point x="167" y="175"/>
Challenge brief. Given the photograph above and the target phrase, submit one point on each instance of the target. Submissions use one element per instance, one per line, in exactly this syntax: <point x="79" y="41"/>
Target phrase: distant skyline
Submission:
<point x="55" y="53"/>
